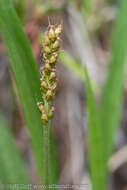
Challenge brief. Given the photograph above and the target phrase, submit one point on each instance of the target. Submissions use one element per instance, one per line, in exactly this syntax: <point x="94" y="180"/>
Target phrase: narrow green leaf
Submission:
<point x="95" y="141"/>
<point x="26" y="74"/>
<point x="112" y="95"/>
<point x="72" y="65"/>
<point x="12" y="170"/>
<point x="75" y="67"/>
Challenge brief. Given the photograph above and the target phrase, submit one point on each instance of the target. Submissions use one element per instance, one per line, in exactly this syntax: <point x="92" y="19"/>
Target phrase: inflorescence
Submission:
<point x="51" y="45"/>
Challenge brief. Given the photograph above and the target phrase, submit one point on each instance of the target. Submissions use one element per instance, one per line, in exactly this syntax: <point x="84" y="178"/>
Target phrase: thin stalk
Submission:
<point x="46" y="153"/>
<point x="48" y="85"/>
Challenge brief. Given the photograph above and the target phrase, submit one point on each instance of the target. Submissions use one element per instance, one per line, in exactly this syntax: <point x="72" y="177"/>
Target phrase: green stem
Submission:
<point x="46" y="155"/>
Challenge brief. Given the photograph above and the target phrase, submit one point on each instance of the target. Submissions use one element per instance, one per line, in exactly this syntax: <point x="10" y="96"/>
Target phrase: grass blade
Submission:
<point x="76" y="68"/>
<point x="95" y="141"/>
<point x="72" y="65"/>
<point x="12" y="170"/>
<point x="26" y="74"/>
<point x="112" y="96"/>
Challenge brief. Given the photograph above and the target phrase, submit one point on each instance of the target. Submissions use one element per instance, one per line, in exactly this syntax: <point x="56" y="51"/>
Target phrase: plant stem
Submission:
<point x="46" y="153"/>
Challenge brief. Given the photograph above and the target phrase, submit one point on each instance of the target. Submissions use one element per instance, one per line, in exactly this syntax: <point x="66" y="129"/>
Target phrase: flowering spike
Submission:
<point x="48" y="79"/>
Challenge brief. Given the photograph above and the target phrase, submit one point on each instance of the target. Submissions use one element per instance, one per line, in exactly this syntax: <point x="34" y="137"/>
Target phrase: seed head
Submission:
<point x="48" y="79"/>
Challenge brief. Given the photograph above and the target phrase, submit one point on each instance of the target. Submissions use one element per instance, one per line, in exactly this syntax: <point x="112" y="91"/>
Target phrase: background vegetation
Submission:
<point x="87" y="139"/>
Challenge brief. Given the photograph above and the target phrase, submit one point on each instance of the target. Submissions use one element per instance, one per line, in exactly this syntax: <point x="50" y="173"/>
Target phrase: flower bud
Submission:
<point x="58" y="30"/>
<point x="51" y="112"/>
<point x="51" y="33"/>
<point x="40" y="106"/>
<point x="46" y="40"/>
<point x="53" y="58"/>
<point x="44" y="118"/>
<point x="56" y="44"/>
<point x="45" y="56"/>
<point x="44" y="85"/>
<point x="47" y="66"/>
<point x="52" y="76"/>
<point x="49" y="95"/>
<point x="47" y="49"/>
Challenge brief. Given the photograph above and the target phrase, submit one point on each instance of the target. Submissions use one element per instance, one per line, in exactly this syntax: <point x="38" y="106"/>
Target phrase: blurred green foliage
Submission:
<point x="12" y="167"/>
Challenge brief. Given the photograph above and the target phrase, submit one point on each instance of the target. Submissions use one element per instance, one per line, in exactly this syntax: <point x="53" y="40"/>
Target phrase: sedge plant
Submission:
<point x="51" y="45"/>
